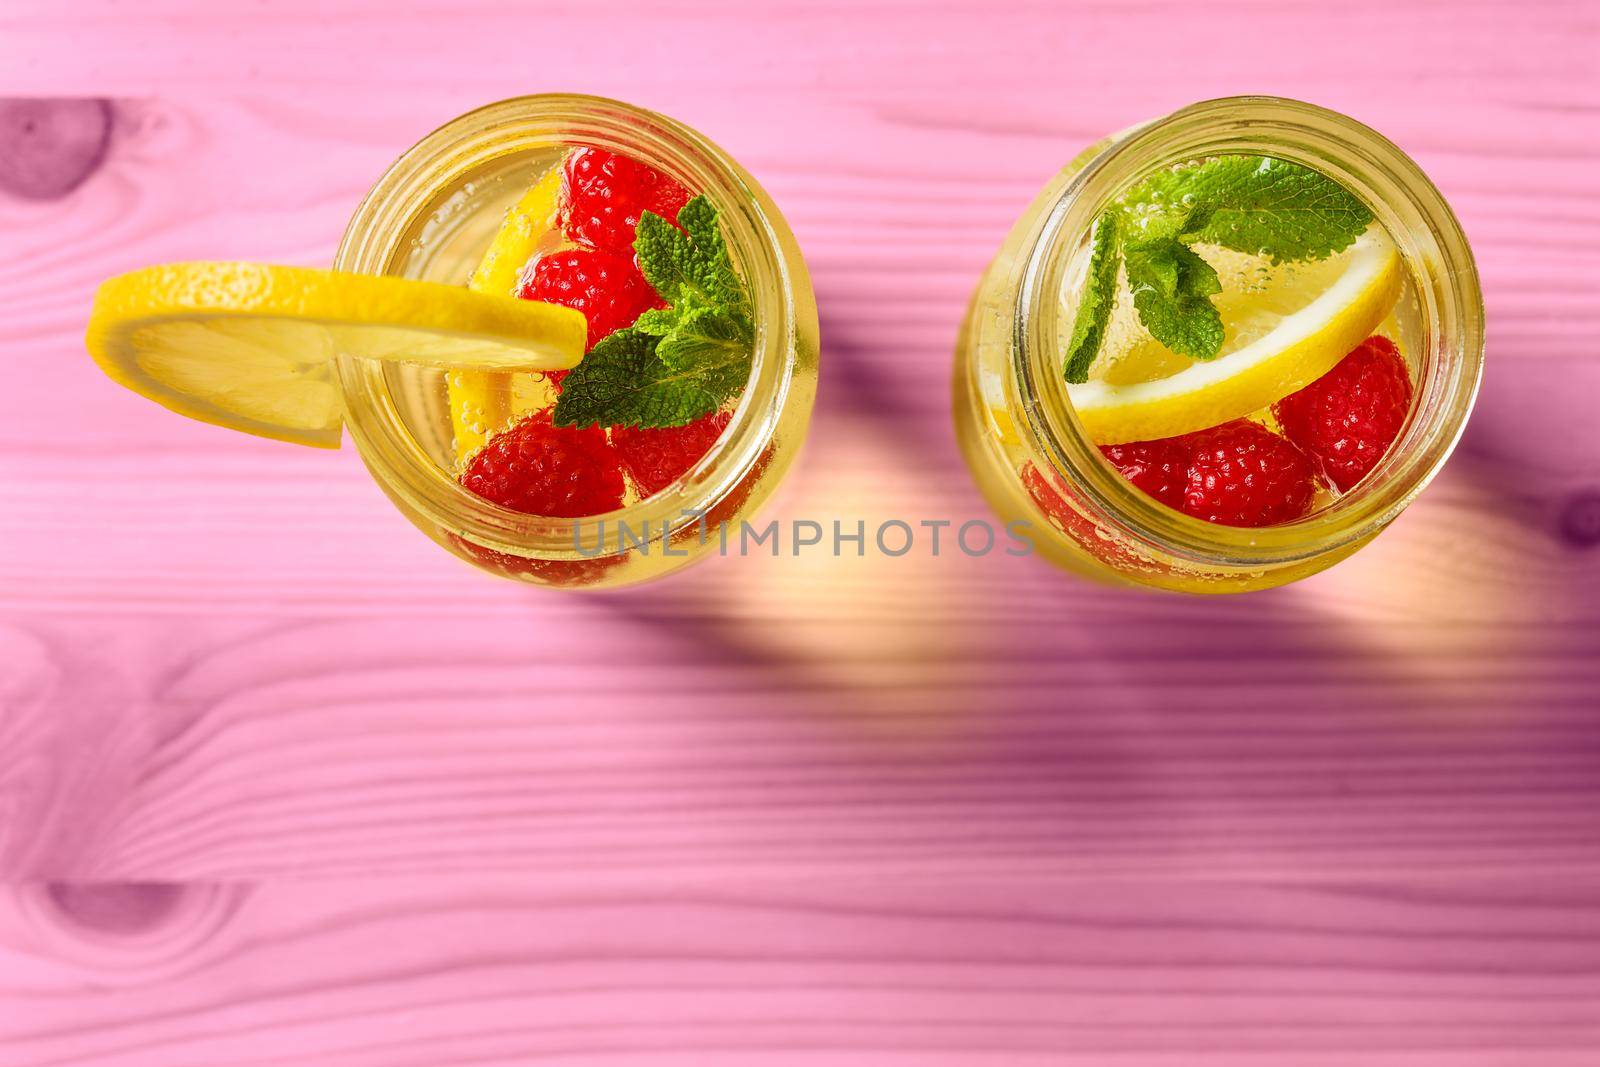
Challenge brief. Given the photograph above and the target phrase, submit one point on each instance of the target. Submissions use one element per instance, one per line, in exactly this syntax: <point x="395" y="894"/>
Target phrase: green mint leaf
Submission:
<point x="676" y="364"/>
<point x="623" y="381"/>
<point x="1253" y="204"/>
<point x="1172" y="289"/>
<point x="1157" y="221"/>
<point x="657" y="322"/>
<point x="689" y="267"/>
<point x="706" y="336"/>
<point x="1094" y="306"/>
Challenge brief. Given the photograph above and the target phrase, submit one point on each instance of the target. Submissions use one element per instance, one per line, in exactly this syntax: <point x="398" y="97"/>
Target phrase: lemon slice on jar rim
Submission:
<point x="250" y="346"/>
<point x="1286" y="324"/>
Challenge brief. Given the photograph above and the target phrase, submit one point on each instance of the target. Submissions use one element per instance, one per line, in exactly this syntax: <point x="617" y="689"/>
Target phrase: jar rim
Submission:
<point x="447" y="158"/>
<point x="1432" y="246"/>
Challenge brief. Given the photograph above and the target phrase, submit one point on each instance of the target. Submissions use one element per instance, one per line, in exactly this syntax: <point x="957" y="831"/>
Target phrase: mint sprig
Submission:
<point x="1099" y="294"/>
<point x="623" y="381"/>
<point x="688" y="264"/>
<point x="1254" y="204"/>
<point x="1259" y="205"/>
<point x="674" y="364"/>
<point x="1172" y="288"/>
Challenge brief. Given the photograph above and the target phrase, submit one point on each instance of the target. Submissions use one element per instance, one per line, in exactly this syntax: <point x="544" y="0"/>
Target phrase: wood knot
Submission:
<point x="49" y="146"/>
<point x="1579" y="524"/>
<point x="129" y="932"/>
<point x="115" y="907"/>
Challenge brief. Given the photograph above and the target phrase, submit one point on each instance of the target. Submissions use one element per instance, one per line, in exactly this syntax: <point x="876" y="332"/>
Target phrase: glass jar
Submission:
<point x="1027" y="449"/>
<point x="432" y="215"/>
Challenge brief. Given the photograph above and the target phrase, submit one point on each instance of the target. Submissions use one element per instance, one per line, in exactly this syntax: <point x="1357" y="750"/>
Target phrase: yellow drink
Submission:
<point x="436" y="216"/>
<point x="1036" y="456"/>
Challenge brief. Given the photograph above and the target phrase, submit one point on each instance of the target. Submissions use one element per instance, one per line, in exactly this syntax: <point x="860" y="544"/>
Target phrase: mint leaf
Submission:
<point x="688" y="266"/>
<point x="657" y="322"/>
<point x="1172" y="289"/>
<point x="623" y="381"/>
<point x="706" y="335"/>
<point x="676" y="364"/>
<point x="1259" y="205"/>
<point x="1253" y="204"/>
<point x="1094" y="306"/>
<point x="1155" y="221"/>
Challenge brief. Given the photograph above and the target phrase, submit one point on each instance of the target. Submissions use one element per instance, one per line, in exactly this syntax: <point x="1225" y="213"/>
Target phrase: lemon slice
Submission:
<point x="482" y="403"/>
<point x="249" y="346"/>
<point x="1286" y="326"/>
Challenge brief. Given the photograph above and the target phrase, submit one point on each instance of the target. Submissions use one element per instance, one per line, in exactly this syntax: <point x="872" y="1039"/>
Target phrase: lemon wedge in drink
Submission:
<point x="482" y="403"/>
<point x="527" y="229"/>
<point x="250" y="346"/>
<point x="1286" y="325"/>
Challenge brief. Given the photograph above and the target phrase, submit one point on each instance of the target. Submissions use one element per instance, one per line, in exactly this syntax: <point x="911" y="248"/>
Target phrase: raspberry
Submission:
<point x="724" y="511"/>
<point x="560" y="573"/>
<point x="543" y="469"/>
<point x="1243" y="474"/>
<point x="1052" y="499"/>
<point x="606" y="193"/>
<point x="658" y="457"/>
<point x="1160" y="468"/>
<point x="1347" y="419"/>
<point x="605" y="286"/>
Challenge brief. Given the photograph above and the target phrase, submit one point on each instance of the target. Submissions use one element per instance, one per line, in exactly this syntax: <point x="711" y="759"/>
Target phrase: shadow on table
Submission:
<point x="1415" y="622"/>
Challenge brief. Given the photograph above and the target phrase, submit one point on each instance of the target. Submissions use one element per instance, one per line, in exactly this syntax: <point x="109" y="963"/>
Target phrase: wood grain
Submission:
<point x="305" y="787"/>
<point x="967" y="972"/>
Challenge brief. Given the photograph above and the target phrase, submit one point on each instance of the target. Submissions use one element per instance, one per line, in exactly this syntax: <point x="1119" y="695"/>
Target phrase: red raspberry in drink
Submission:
<point x="606" y="286"/>
<point x="557" y="573"/>
<point x="1051" y="497"/>
<point x="657" y="457"/>
<point x="1243" y="474"/>
<point x="1237" y="474"/>
<point x="1347" y="419"/>
<point x="606" y="193"/>
<point x="543" y="469"/>
<point x="1160" y="468"/>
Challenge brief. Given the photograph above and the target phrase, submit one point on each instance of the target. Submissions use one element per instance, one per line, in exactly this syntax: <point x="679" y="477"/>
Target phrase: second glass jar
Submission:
<point x="1029" y="452"/>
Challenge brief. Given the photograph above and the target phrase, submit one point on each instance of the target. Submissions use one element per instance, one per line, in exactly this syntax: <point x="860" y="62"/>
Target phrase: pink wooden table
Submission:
<point x="282" y="783"/>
